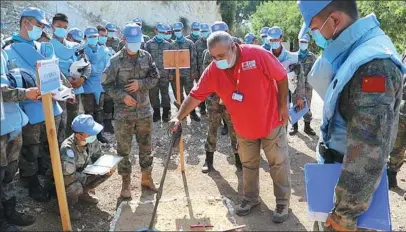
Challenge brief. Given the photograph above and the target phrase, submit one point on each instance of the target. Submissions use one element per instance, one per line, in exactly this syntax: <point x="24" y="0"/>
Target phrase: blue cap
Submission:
<point x="36" y="13"/>
<point x="85" y="123"/>
<point x="162" y="27"/>
<point x="204" y="27"/>
<point x="91" y="31"/>
<point x="275" y="32"/>
<point x="76" y="34"/>
<point x="110" y="27"/>
<point x="305" y="38"/>
<point x="178" y="26"/>
<point x="195" y="25"/>
<point x="249" y="38"/>
<point x="169" y="27"/>
<point x="133" y="33"/>
<point x="138" y="21"/>
<point x="219" y="26"/>
<point x="309" y="9"/>
<point x="264" y="31"/>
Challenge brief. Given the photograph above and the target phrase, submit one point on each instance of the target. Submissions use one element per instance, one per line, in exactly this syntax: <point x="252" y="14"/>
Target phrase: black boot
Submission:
<point x="166" y="114"/>
<point x="157" y="115"/>
<point x="238" y="163"/>
<point x="202" y="107"/>
<point x="4" y="226"/>
<point x="194" y="116"/>
<point x="308" y="129"/>
<point x="293" y="129"/>
<point x="101" y="138"/>
<point x="98" y="117"/>
<point x="392" y="181"/>
<point x="224" y="130"/>
<point x="36" y="191"/>
<point x="108" y="126"/>
<point x="208" y="163"/>
<point x="14" y="217"/>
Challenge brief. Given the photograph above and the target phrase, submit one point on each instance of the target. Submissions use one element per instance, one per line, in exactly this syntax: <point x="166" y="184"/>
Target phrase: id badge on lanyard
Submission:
<point x="237" y="96"/>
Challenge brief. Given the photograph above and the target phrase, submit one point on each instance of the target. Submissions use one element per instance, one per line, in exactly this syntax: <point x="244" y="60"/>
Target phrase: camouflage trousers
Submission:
<point x="91" y="107"/>
<point x="72" y="111"/>
<point x="309" y="94"/>
<point x="216" y="113"/>
<point x="80" y="187"/>
<point x="10" y="152"/>
<point x="108" y="107"/>
<point x="186" y="83"/>
<point x="35" y="151"/>
<point x="63" y="123"/>
<point x="124" y="131"/>
<point x="399" y="150"/>
<point x="163" y="87"/>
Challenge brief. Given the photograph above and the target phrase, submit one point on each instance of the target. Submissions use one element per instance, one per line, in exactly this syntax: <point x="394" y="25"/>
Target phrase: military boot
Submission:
<point x="147" y="181"/>
<point x="194" y="116"/>
<point x="392" y="181"/>
<point x="238" y="163"/>
<point x="36" y="191"/>
<point x="157" y="115"/>
<point x="108" y="126"/>
<point x="224" y="130"/>
<point x="4" y="226"/>
<point x="308" y="129"/>
<point x="293" y="129"/>
<point x="166" y="114"/>
<point x="208" y="163"/>
<point x="101" y="138"/>
<point x="88" y="199"/>
<point x="74" y="214"/>
<point x="98" y="117"/>
<point x="14" y="217"/>
<point x="202" y="107"/>
<point x="125" y="186"/>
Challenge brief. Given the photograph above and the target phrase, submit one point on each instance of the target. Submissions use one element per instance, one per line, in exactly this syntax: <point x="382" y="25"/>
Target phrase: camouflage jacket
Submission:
<point x="113" y="43"/>
<point x="187" y="44"/>
<point x="157" y="52"/>
<point x="307" y="62"/>
<point x="300" y="91"/>
<point x="201" y="46"/>
<point x="74" y="159"/>
<point x="372" y="119"/>
<point x="191" y="38"/>
<point x="122" y="70"/>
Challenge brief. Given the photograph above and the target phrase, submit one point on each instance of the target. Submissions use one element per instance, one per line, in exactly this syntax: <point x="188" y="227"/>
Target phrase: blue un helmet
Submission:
<point x="275" y="32"/>
<point x="36" y="13"/>
<point x="219" y="26"/>
<point x="161" y="29"/>
<point x="110" y="27"/>
<point x="76" y="34"/>
<point x="177" y="29"/>
<point x="249" y="38"/>
<point x="132" y="33"/>
<point x="204" y="30"/>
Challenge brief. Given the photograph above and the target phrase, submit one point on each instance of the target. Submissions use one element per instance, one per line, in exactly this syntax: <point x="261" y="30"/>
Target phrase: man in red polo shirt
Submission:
<point x="253" y="86"/>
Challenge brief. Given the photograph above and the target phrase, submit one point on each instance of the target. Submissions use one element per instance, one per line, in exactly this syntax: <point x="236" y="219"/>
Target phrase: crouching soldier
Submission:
<point x="77" y="151"/>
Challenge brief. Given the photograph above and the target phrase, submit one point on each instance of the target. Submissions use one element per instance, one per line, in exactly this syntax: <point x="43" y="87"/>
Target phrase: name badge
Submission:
<point x="237" y="97"/>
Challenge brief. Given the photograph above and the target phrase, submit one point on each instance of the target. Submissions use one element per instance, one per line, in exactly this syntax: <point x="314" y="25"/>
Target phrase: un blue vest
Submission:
<point x="99" y="58"/>
<point x="66" y="54"/>
<point x="24" y="55"/>
<point x="360" y="43"/>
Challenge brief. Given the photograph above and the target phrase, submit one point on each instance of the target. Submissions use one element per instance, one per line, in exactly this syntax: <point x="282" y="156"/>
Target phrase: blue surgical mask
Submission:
<point x="134" y="47"/>
<point x="102" y="40"/>
<point x="222" y="64"/>
<point x="320" y="40"/>
<point x="179" y="34"/>
<point x="91" y="139"/>
<point x="265" y="40"/>
<point x="111" y="34"/>
<point x="60" y="32"/>
<point x="303" y="46"/>
<point x="275" y="45"/>
<point x="168" y="36"/>
<point x="35" y="33"/>
<point x="160" y="36"/>
<point x="92" y="41"/>
<point x="204" y="34"/>
<point x="196" y="33"/>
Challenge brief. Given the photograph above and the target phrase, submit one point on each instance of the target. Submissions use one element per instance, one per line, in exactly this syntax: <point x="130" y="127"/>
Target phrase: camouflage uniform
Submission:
<point x="192" y="38"/>
<point x="300" y="88"/>
<point x="186" y="75"/>
<point x="74" y="160"/>
<point x="201" y="46"/>
<point x="156" y="51"/>
<point x="132" y="120"/>
<point x="10" y="152"/>
<point x="307" y="63"/>
<point x="113" y="43"/>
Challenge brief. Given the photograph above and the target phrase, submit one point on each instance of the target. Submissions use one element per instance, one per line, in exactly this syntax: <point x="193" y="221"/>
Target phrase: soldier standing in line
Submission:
<point x="195" y="33"/>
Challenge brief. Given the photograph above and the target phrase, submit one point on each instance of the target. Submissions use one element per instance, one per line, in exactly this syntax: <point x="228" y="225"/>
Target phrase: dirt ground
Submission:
<point x="194" y="197"/>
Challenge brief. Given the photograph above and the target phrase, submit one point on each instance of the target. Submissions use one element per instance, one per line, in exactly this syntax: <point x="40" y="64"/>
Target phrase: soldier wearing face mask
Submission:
<point x="360" y="75"/>
<point x="195" y="33"/>
<point x="112" y="40"/>
<point x="266" y="44"/>
<point x="128" y="80"/>
<point x="250" y="38"/>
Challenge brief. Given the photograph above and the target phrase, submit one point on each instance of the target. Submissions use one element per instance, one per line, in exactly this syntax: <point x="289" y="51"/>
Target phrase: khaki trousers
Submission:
<point x="275" y="146"/>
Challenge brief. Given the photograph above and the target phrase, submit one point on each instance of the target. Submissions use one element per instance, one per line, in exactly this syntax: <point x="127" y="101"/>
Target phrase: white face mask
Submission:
<point x="91" y="139"/>
<point x="320" y="76"/>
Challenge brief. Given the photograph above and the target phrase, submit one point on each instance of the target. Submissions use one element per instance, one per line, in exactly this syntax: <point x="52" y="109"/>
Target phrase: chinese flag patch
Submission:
<point x="373" y="84"/>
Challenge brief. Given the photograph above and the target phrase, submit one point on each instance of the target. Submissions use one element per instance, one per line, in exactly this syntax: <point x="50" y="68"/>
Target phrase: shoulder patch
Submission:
<point x="70" y="153"/>
<point x="373" y="84"/>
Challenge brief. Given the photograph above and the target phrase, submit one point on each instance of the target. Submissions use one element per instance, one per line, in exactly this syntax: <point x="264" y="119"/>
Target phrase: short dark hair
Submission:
<point x="60" y="17"/>
<point x="101" y="28"/>
<point x="25" y="17"/>
<point x="349" y="7"/>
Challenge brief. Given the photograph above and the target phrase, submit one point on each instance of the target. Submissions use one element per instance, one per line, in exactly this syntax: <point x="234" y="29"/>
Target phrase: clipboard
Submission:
<point x="294" y="116"/>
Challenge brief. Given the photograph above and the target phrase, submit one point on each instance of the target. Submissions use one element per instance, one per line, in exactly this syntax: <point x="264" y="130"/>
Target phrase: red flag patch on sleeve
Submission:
<point x="373" y="84"/>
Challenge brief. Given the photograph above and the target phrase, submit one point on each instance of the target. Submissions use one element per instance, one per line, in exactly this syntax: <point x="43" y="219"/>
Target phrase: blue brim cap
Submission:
<point x="309" y="9"/>
<point x="133" y="33"/>
<point x="96" y="129"/>
<point x="85" y="124"/>
<point x="36" y="13"/>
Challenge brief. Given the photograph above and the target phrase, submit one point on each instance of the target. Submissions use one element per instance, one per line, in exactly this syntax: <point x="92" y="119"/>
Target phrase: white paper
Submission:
<point x="292" y="81"/>
<point x="62" y="94"/>
<point x="103" y="165"/>
<point x="49" y="75"/>
<point x="96" y="170"/>
<point x="318" y="216"/>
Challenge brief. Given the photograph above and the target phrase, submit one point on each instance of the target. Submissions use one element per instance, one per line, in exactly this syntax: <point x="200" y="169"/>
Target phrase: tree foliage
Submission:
<point x="227" y="11"/>
<point x="246" y="8"/>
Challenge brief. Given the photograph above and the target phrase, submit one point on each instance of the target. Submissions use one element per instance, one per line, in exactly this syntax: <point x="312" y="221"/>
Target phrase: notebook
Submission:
<point x="294" y="116"/>
<point x="103" y="165"/>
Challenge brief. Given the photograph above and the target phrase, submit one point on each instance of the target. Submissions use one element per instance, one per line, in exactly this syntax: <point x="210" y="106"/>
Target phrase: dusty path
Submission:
<point x="197" y="197"/>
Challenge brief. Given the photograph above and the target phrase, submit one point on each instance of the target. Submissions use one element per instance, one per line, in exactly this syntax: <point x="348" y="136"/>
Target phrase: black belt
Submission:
<point x="330" y="156"/>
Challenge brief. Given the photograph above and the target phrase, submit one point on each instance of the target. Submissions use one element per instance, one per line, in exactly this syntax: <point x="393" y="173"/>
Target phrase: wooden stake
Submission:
<point x="55" y="159"/>
<point x="178" y="99"/>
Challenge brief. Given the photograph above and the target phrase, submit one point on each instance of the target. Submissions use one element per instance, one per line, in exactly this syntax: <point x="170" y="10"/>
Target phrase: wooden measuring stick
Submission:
<point x="178" y="99"/>
<point x="55" y="159"/>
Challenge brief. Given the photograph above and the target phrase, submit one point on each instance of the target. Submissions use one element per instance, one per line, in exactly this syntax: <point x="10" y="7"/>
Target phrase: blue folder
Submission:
<point x="321" y="180"/>
<point x="294" y="116"/>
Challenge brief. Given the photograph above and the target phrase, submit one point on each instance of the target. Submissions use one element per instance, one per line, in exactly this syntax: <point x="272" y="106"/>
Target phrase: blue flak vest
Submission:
<point x="66" y="54"/>
<point x="99" y="58"/>
<point x="14" y="117"/>
<point x="23" y="55"/>
<point x="360" y="43"/>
